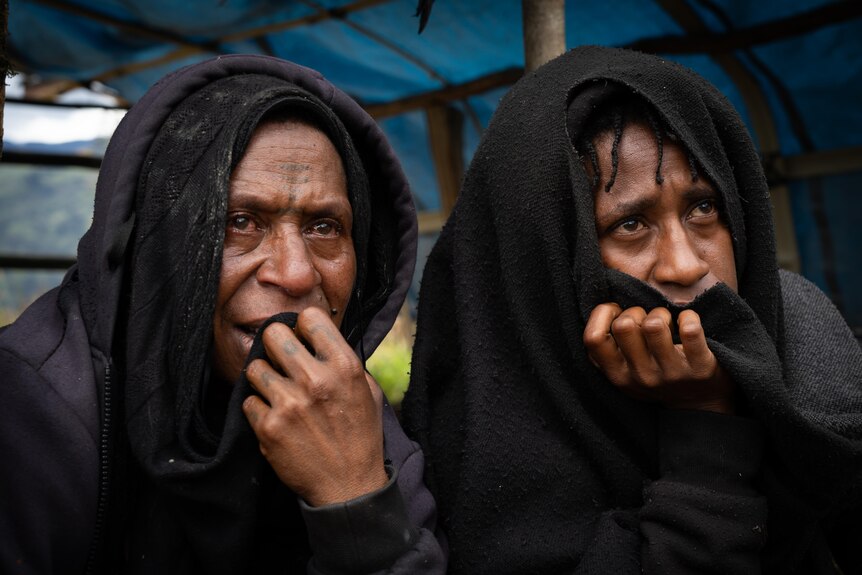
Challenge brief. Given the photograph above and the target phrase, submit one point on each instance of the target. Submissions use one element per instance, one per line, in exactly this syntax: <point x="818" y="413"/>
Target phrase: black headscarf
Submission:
<point x="183" y="491"/>
<point x="528" y="446"/>
<point x="175" y="266"/>
<point x="178" y="492"/>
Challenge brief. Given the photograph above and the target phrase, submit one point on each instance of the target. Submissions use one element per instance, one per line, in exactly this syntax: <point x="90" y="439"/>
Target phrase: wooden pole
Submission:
<point x="762" y="124"/>
<point x="445" y="129"/>
<point x="4" y="63"/>
<point x="544" y="31"/>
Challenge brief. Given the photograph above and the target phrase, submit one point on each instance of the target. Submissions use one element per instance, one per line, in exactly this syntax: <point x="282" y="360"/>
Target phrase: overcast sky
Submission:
<point x="54" y="125"/>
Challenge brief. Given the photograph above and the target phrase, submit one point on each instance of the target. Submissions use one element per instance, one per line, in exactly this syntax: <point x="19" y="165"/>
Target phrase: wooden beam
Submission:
<point x="445" y="135"/>
<point x="762" y="122"/>
<point x="385" y="42"/>
<point x="688" y="44"/>
<point x="321" y="15"/>
<point x="139" y="30"/>
<point x="544" y="23"/>
<point x="188" y="48"/>
<point x="55" y="104"/>
<point x="134" y="67"/>
<point x="481" y="85"/>
<point x="36" y="262"/>
<point x="4" y="63"/>
<point x="828" y="15"/>
<point x="10" y="157"/>
<point x="814" y="164"/>
<point x="430" y="222"/>
<point x="752" y="94"/>
<point x="708" y="42"/>
<point x="778" y="169"/>
<point x="47" y="91"/>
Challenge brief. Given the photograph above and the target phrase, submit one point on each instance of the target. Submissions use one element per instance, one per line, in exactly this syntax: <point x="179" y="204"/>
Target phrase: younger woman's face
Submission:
<point x="670" y="235"/>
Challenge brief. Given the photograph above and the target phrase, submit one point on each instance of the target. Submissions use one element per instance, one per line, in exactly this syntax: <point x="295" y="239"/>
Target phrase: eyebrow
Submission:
<point x="701" y="191"/>
<point x="626" y="208"/>
<point x="237" y="200"/>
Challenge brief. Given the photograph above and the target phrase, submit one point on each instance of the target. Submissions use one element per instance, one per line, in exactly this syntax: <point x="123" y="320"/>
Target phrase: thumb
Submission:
<point x="376" y="391"/>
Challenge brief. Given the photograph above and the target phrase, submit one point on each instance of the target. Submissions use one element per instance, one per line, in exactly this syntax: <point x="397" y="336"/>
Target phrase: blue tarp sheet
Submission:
<point x="804" y="56"/>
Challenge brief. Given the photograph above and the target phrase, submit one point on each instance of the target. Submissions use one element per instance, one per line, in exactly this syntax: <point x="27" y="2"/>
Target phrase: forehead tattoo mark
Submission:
<point x="294" y="174"/>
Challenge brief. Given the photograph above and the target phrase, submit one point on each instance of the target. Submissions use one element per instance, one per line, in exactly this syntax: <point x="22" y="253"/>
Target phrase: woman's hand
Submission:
<point x="635" y="351"/>
<point x="319" y="417"/>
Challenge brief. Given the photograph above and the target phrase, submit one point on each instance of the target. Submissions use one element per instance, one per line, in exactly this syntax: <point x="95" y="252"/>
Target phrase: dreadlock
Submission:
<point x="613" y="116"/>
<point x="615" y="149"/>
<point x="659" y="132"/>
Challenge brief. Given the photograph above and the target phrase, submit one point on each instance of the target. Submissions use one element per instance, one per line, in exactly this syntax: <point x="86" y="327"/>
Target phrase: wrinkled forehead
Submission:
<point x="294" y="139"/>
<point x="304" y="115"/>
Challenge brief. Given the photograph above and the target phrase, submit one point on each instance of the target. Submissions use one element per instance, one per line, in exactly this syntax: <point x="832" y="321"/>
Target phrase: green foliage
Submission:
<point x="390" y="366"/>
<point x="6" y="316"/>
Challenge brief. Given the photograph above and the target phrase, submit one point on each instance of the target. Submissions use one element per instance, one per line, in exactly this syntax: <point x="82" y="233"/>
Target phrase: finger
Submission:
<point x="376" y="390"/>
<point x="700" y="358"/>
<point x="628" y="333"/>
<point x="376" y="393"/>
<point x="255" y="410"/>
<point x="601" y="347"/>
<point x="316" y="327"/>
<point x="265" y="380"/>
<point x="656" y="329"/>
<point x="284" y="349"/>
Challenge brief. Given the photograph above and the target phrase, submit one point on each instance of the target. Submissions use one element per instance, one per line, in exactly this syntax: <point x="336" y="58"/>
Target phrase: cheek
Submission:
<point x="626" y="259"/>
<point x="717" y="249"/>
<point x="228" y="352"/>
<point x="726" y="262"/>
<point x="230" y="279"/>
<point x="337" y="277"/>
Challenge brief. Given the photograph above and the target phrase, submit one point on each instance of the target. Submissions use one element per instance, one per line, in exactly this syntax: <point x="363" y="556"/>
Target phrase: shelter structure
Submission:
<point x="792" y="68"/>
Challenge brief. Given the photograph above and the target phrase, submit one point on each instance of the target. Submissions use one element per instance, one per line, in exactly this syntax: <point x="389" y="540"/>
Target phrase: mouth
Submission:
<point x="249" y="330"/>
<point x="247" y="333"/>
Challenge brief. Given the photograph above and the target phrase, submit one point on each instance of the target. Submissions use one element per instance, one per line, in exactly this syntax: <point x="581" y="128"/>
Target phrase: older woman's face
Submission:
<point x="288" y="243"/>
<point x="669" y="235"/>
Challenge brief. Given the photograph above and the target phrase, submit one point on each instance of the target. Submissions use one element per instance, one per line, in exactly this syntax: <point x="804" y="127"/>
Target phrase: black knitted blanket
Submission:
<point x="531" y="452"/>
<point x="210" y="502"/>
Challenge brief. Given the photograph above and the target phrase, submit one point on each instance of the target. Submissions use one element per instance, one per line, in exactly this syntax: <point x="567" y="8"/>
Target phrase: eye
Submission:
<point x="325" y="228"/>
<point x="704" y="208"/>
<point x="240" y="223"/>
<point x="628" y="226"/>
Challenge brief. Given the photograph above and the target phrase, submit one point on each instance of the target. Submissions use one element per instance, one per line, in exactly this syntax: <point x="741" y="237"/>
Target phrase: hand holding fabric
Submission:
<point x="636" y="352"/>
<point x="319" y="415"/>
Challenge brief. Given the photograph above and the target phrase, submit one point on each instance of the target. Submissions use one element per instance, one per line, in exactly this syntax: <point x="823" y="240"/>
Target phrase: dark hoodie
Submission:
<point x="537" y="462"/>
<point x="109" y="462"/>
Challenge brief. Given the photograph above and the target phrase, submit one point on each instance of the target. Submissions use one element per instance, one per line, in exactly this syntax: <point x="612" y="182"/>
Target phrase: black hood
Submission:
<point x="148" y="271"/>
<point x="103" y="251"/>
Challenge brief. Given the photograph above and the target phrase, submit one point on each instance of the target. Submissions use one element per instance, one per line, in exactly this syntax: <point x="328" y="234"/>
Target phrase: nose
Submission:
<point x="679" y="270"/>
<point x="289" y="264"/>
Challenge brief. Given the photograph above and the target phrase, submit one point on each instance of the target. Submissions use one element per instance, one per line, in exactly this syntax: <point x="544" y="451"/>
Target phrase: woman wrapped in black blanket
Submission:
<point x="611" y="374"/>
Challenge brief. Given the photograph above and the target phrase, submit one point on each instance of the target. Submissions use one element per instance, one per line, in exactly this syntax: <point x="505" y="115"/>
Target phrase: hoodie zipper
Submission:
<point x="104" y="477"/>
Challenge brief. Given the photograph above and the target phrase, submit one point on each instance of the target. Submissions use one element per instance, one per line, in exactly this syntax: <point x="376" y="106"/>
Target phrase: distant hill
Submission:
<point x="90" y="148"/>
<point x="44" y="210"/>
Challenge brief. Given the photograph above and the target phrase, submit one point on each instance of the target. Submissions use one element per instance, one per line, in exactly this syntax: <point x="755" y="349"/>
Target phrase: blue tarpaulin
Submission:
<point x="792" y="68"/>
